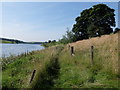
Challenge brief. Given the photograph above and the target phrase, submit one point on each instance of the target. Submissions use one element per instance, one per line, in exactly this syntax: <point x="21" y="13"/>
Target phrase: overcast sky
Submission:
<point x="38" y="21"/>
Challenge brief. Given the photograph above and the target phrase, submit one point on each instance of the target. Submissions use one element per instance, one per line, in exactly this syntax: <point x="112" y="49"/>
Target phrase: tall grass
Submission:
<point x="17" y="74"/>
<point x="77" y="72"/>
<point x="57" y="68"/>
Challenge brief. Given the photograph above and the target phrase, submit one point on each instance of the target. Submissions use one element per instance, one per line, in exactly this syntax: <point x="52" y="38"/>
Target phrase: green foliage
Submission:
<point x="49" y="41"/>
<point x="4" y="41"/>
<point x="56" y="68"/>
<point x="53" y="43"/>
<point x="17" y="73"/>
<point x="61" y="70"/>
<point x="68" y="37"/>
<point x="95" y="21"/>
<point x="116" y="30"/>
<point x="76" y="71"/>
<point x="92" y="22"/>
<point x="46" y="78"/>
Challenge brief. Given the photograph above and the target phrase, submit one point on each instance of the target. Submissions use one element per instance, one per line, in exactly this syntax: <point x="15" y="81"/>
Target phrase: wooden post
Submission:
<point x="92" y="55"/>
<point x="33" y="74"/>
<point x="72" y="50"/>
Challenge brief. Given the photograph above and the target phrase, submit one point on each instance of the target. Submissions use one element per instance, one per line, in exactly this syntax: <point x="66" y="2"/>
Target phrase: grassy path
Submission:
<point x="46" y="78"/>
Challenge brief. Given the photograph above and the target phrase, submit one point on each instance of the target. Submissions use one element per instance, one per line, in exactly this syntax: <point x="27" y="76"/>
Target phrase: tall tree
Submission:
<point x="94" y="21"/>
<point x="102" y="18"/>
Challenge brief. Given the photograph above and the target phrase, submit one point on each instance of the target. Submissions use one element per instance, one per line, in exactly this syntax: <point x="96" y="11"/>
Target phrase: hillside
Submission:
<point x="5" y="40"/>
<point x="77" y="71"/>
<point x="14" y="41"/>
<point x="57" y="68"/>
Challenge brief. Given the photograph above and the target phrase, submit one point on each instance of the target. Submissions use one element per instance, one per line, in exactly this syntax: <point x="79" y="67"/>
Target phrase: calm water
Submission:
<point x="17" y="49"/>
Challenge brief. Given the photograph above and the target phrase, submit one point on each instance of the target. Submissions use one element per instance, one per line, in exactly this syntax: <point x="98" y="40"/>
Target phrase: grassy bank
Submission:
<point x="57" y="68"/>
<point x="17" y="71"/>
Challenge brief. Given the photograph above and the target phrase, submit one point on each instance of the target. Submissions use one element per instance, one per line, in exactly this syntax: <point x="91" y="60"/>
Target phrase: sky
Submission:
<point x="42" y="21"/>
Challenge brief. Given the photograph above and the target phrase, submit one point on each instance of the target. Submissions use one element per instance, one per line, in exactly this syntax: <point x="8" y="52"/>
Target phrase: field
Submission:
<point x="57" y="68"/>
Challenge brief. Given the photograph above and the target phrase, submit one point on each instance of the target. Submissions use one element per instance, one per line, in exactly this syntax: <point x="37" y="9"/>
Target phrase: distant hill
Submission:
<point x="14" y="41"/>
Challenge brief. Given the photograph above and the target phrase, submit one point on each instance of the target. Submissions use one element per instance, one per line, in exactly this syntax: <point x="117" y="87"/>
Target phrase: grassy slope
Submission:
<point x="4" y="41"/>
<point x="17" y="71"/>
<point x="74" y="71"/>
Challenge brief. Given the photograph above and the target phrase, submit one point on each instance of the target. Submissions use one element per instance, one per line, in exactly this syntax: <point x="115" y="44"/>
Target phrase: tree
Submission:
<point x="49" y="41"/>
<point x="95" y="21"/>
<point x="68" y="37"/>
<point x="116" y="30"/>
<point x="102" y="17"/>
<point x="16" y="41"/>
<point x="81" y="25"/>
<point x="54" y="41"/>
<point x="64" y="40"/>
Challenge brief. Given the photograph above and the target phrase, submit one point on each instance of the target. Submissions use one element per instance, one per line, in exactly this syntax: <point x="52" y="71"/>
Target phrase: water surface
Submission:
<point x="17" y="49"/>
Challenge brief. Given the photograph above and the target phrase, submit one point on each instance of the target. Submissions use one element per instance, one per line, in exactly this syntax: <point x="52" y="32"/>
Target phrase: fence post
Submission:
<point x="72" y="50"/>
<point x="33" y="74"/>
<point x="92" y="55"/>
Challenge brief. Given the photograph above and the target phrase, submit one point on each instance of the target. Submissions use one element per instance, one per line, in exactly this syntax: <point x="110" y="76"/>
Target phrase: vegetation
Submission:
<point x="17" y="71"/>
<point x="56" y="68"/>
<point x="95" y="21"/>
<point x="13" y="41"/>
<point x="46" y="78"/>
<point x="51" y="43"/>
<point x="76" y="71"/>
<point x="4" y="41"/>
<point x="68" y="38"/>
<point x="116" y="30"/>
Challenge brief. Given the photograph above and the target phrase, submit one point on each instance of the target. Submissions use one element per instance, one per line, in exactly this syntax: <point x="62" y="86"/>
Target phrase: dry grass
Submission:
<point x="107" y="49"/>
<point x="76" y="71"/>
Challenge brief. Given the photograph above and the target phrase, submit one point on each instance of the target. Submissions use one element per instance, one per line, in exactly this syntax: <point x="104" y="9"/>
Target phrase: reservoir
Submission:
<point x="16" y="49"/>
